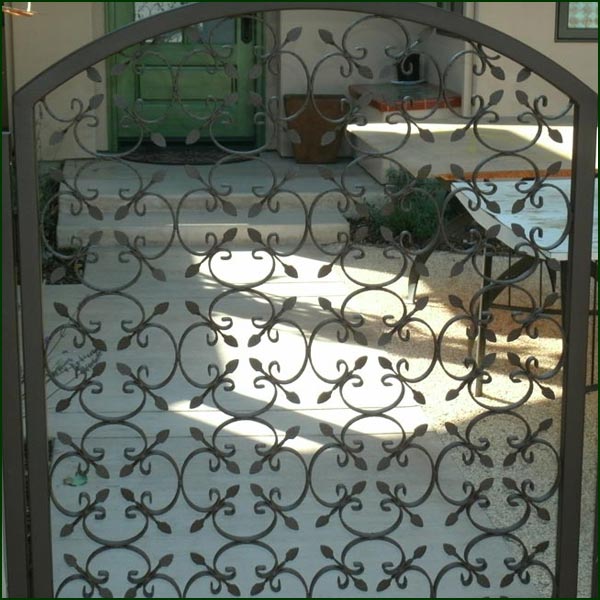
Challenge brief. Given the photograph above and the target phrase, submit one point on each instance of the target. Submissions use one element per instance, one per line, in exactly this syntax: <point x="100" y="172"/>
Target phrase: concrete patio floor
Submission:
<point x="166" y="322"/>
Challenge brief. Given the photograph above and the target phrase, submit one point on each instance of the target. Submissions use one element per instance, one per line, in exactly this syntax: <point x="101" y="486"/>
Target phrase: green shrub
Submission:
<point x="412" y="205"/>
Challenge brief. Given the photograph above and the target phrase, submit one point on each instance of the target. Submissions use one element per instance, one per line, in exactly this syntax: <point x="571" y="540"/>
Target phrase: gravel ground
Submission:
<point x="539" y="408"/>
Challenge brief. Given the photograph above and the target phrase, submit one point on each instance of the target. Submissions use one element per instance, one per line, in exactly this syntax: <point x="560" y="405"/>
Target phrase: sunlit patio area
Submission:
<point x="252" y="383"/>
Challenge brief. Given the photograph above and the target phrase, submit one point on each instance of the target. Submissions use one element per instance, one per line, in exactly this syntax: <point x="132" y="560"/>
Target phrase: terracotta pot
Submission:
<point x="311" y="126"/>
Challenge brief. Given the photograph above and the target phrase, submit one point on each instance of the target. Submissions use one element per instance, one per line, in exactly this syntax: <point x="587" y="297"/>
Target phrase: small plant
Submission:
<point x="67" y="363"/>
<point x="412" y="210"/>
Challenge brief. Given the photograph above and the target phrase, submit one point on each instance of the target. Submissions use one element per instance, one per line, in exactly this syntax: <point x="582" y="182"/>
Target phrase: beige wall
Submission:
<point x="534" y="24"/>
<point x="58" y="29"/>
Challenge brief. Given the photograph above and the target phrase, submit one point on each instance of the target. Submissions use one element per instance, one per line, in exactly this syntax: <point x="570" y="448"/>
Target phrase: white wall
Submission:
<point x="534" y="23"/>
<point x="375" y="35"/>
<point x="442" y="48"/>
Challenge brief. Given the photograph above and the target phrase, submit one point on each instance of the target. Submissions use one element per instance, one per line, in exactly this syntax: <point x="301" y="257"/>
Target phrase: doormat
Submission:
<point x="179" y="154"/>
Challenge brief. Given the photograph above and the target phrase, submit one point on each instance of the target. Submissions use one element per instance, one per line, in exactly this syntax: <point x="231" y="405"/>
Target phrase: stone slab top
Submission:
<point x="388" y="97"/>
<point x="550" y="218"/>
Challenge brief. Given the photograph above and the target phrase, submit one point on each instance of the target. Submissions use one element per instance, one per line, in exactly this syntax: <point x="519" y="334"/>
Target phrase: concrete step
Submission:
<point x="186" y="196"/>
<point x="385" y="139"/>
<point x="157" y="228"/>
<point x="374" y="115"/>
<point x="240" y="185"/>
<point x="365" y="144"/>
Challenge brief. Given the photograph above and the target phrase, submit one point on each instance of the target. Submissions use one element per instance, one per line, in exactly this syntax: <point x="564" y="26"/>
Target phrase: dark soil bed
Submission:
<point x="56" y="270"/>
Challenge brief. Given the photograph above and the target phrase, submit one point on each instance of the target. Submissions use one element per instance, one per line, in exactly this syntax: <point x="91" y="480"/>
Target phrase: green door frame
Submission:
<point x="112" y="21"/>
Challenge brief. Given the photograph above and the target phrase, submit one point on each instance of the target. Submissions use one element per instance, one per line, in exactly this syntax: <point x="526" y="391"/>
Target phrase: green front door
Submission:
<point x="192" y="85"/>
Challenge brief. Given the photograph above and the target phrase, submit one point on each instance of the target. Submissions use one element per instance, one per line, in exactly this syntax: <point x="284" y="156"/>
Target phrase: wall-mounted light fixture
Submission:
<point x="19" y="12"/>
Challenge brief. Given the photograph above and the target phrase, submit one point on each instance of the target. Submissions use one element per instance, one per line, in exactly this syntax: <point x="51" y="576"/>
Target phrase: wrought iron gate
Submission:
<point x="228" y="389"/>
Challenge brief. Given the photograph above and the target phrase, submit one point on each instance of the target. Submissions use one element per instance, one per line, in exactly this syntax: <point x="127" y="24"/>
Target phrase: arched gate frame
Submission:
<point x="581" y="206"/>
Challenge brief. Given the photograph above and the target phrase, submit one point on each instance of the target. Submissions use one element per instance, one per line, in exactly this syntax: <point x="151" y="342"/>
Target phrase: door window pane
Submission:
<point x="148" y="9"/>
<point x="583" y="15"/>
<point x="217" y="31"/>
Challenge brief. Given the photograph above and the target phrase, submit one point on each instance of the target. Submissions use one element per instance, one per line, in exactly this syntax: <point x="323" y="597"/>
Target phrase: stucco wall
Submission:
<point x="38" y="42"/>
<point x="534" y="24"/>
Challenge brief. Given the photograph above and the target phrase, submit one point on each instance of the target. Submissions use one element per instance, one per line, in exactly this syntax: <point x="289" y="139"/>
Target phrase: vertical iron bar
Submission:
<point x="575" y="323"/>
<point x="594" y="315"/>
<point x="564" y="292"/>
<point x="510" y="255"/>
<point x="13" y="464"/>
<point x="484" y="305"/>
<point x="33" y="350"/>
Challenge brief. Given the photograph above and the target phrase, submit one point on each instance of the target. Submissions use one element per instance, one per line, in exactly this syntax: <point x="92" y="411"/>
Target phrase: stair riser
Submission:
<point x="373" y="115"/>
<point x="195" y="235"/>
<point x="108" y="203"/>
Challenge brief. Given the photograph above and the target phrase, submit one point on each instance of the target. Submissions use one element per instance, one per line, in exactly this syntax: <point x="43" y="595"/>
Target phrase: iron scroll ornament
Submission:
<point x="271" y="509"/>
